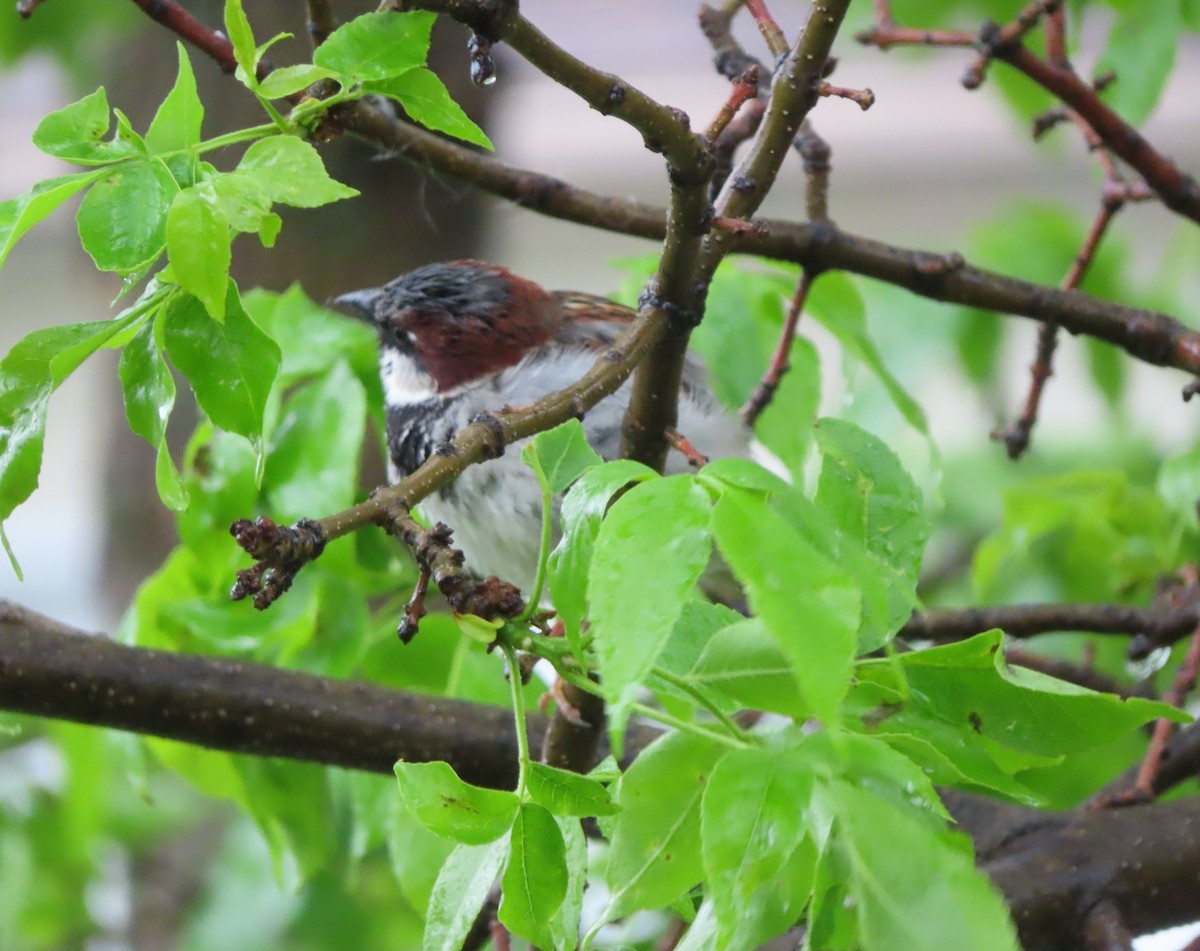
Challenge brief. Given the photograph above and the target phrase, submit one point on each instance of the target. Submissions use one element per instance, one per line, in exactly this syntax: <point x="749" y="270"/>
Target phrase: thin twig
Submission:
<point x="1016" y="435"/>
<point x="1056" y="38"/>
<point x="180" y="22"/>
<point x="1160" y="626"/>
<point x="744" y="89"/>
<point x="865" y="98"/>
<point x="685" y="447"/>
<point x="1178" y="190"/>
<point x="994" y="40"/>
<point x="772" y="35"/>
<point x="761" y="398"/>
<point x="1185" y="680"/>
<point x="816" y="154"/>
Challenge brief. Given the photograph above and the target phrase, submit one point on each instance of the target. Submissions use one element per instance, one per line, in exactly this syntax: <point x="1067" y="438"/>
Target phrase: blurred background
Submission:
<point x="930" y="166"/>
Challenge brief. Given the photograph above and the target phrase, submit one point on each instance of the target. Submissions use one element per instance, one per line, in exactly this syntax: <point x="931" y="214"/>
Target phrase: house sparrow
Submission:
<point x="464" y="337"/>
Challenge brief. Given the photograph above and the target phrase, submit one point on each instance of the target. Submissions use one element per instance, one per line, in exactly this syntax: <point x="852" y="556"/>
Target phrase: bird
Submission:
<point x="465" y="337"/>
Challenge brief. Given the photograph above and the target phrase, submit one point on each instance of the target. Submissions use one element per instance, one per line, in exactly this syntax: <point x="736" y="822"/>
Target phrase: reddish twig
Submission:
<point x="1056" y="38"/>
<point x="1178" y="191"/>
<point x="772" y="35"/>
<point x="1016" y="435"/>
<point x="1185" y="680"/>
<point x="864" y="97"/>
<point x="745" y="87"/>
<point x="414" y="608"/>
<point x="176" y="19"/>
<point x="681" y="444"/>
<point x="995" y="40"/>
<point x="500" y="938"/>
<point x="761" y="398"/>
<point x="886" y="34"/>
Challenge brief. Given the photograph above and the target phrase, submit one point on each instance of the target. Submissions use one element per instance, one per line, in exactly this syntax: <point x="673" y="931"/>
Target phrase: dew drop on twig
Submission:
<point x="483" y="67"/>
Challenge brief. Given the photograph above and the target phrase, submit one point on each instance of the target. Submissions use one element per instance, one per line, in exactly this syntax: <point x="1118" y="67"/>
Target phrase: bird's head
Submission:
<point x="446" y="325"/>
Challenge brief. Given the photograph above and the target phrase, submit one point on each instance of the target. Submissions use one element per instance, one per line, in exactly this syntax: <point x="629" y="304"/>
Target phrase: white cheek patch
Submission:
<point x="403" y="381"/>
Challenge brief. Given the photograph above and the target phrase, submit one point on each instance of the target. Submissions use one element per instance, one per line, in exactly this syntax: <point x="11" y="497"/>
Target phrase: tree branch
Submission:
<point x="1052" y="868"/>
<point x="1145" y="334"/>
<point x="1160" y="626"/>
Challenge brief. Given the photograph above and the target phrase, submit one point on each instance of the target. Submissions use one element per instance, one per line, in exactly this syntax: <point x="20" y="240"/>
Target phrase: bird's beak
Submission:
<point x="360" y="304"/>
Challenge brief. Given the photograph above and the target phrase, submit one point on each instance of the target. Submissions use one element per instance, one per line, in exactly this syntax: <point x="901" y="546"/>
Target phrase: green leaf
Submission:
<point x="76" y="133"/>
<point x="444" y="804"/>
<point x="535" y="880"/>
<point x="1190" y="13"/>
<point x="312" y="338"/>
<point x="289" y="79"/>
<point x="290" y="171"/>
<point x="1141" y="49"/>
<point x="566" y="922"/>
<point x="836" y="303"/>
<point x="1179" y="484"/>
<point x="198" y="244"/>
<point x="652" y="548"/>
<point x="655" y="854"/>
<point x="567" y="794"/>
<point x="744" y="662"/>
<point x="427" y="101"/>
<point x="230" y="365"/>
<point x="913" y="885"/>
<point x="870" y="496"/>
<point x="560" y="455"/>
<point x="418" y="855"/>
<point x="149" y="397"/>
<point x="758" y="867"/>
<point x="809" y="604"/>
<point x="1108" y="367"/>
<point x="32" y="370"/>
<point x="18" y="215"/>
<point x="970" y="686"/>
<point x="875" y="502"/>
<point x="176" y="124"/>
<point x="237" y="28"/>
<point x="461" y="889"/>
<point x="376" y="46"/>
<point x="123" y="217"/>
<point x="582" y="510"/>
<point x="312" y="465"/>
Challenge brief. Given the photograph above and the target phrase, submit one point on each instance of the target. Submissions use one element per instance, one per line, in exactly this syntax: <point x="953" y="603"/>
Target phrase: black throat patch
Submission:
<point x="415" y="430"/>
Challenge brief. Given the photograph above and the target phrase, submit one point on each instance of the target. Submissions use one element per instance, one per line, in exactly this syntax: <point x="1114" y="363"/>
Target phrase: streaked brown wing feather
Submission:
<point x="594" y="323"/>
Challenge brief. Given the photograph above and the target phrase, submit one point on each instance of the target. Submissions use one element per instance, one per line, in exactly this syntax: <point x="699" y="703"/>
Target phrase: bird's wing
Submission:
<point x="594" y="323"/>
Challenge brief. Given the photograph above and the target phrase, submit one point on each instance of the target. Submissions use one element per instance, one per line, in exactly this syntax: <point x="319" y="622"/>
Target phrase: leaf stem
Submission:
<point x="698" y="695"/>
<point x="539" y="580"/>
<point x="518" y="705"/>
<point x="668" y="719"/>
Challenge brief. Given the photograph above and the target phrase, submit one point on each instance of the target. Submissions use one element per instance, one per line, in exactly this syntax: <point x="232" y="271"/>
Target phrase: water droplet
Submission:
<point x="1153" y="662"/>
<point x="483" y="67"/>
